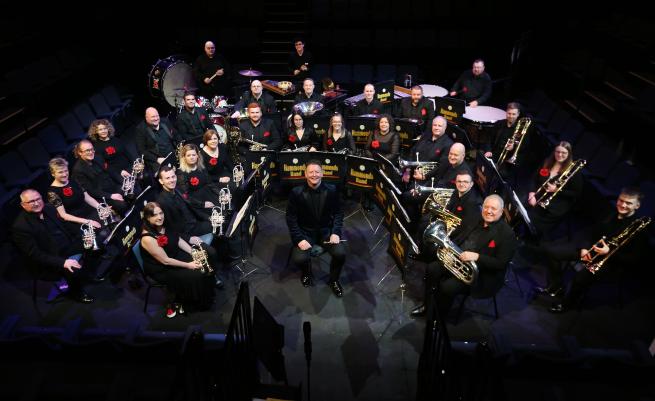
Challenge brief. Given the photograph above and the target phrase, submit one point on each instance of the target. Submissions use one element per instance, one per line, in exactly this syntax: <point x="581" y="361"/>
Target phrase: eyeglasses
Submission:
<point x="33" y="201"/>
<point x="87" y="150"/>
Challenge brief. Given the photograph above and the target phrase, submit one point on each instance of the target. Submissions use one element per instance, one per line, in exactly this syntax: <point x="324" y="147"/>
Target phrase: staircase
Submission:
<point x="284" y="20"/>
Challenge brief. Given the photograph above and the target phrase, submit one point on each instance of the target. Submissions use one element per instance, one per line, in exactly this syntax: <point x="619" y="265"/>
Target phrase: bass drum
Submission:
<point x="170" y="78"/>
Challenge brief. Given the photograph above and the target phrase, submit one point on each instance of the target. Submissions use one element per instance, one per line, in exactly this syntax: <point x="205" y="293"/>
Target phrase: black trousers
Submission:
<point x="301" y="258"/>
<point x="446" y="285"/>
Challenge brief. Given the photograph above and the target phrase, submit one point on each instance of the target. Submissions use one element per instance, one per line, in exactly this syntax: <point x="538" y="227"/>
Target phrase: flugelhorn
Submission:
<point x="237" y="174"/>
<point x="217" y="219"/>
<point x="199" y="256"/>
<point x="517" y="138"/>
<point x="89" y="236"/>
<point x="597" y="260"/>
<point x="543" y="197"/>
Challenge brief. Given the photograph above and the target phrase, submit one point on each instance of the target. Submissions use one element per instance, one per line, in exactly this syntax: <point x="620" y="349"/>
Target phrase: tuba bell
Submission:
<point x="448" y="252"/>
<point x="435" y="205"/>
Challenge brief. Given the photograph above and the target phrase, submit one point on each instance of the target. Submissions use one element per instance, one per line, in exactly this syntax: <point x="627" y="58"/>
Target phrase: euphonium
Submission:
<point x="237" y="174"/>
<point x="517" y="137"/>
<point x="225" y="198"/>
<point x="105" y="213"/>
<point x="199" y="256"/>
<point x="544" y="197"/>
<point x="89" y="237"/>
<point x="615" y="243"/>
<point x="448" y="253"/>
<point x="435" y="205"/>
<point x="217" y="219"/>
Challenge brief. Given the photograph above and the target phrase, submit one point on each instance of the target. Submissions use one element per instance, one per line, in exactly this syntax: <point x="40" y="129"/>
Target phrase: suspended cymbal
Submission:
<point x="251" y="73"/>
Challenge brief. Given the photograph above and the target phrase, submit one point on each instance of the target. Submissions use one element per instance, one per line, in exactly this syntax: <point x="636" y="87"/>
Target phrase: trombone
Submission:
<point x="543" y="197"/>
<point x="516" y="139"/>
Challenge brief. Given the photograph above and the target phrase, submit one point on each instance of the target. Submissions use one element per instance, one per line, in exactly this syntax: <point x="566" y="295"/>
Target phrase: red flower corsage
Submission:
<point x="194" y="181"/>
<point x="110" y="150"/>
<point x="423" y="111"/>
<point x="202" y="117"/>
<point x="162" y="240"/>
<point x="544" y="172"/>
<point x="459" y="208"/>
<point x="213" y="161"/>
<point x="330" y="141"/>
<point x="437" y="152"/>
<point x="492" y="244"/>
<point x="376" y="111"/>
<point x="292" y="138"/>
<point x="68" y="191"/>
<point x="266" y="134"/>
<point x="375" y="144"/>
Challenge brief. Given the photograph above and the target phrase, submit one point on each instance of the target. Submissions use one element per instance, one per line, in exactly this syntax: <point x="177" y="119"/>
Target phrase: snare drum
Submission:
<point x="169" y="79"/>
<point x="203" y="102"/>
<point x="480" y="124"/>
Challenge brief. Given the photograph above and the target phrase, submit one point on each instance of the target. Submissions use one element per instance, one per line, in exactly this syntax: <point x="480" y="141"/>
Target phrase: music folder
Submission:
<point x="390" y="170"/>
<point x="126" y="232"/>
<point x="486" y="176"/>
<point x="450" y="108"/>
<point x="407" y="129"/>
<point x="361" y="128"/>
<point x="399" y="244"/>
<point x="514" y="207"/>
<point x="360" y="172"/>
<point x="319" y="123"/>
<point x="458" y="134"/>
<point x="237" y="217"/>
<point x="384" y="91"/>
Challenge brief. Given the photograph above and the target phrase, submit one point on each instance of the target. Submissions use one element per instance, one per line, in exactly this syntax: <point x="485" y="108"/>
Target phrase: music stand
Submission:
<point x="236" y="223"/>
<point x="486" y="175"/>
<point x="458" y="134"/>
<point x="383" y="185"/>
<point x="361" y="127"/>
<point x="360" y="176"/>
<point x="407" y="129"/>
<point x="450" y="108"/>
<point x="392" y="209"/>
<point x="514" y="207"/>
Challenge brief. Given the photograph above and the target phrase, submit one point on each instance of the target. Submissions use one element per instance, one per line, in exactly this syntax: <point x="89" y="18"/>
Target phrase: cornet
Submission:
<point x="217" y="219"/>
<point x="237" y="174"/>
<point x="199" y="256"/>
<point x="105" y="213"/>
<point x="225" y="198"/>
<point x="137" y="172"/>
<point x="89" y="237"/>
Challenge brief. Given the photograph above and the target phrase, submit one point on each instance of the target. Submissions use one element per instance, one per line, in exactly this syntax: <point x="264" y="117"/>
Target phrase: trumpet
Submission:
<point x="199" y="256"/>
<point x="129" y="181"/>
<point x="237" y="174"/>
<point x="217" y="219"/>
<point x="225" y="198"/>
<point x="89" y="236"/>
<point x="105" y="213"/>
<point x="543" y="197"/>
<point x="517" y="137"/>
<point x="615" y="243"/>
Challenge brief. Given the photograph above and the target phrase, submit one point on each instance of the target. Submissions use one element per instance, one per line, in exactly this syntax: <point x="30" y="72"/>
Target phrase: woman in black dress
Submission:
<point x="193" y="180"/>
<point x="216" y="158"/>
<point x="338" y="138"/>
<point x="384" y="141"/>
<point x="113" y="151"/>
<point x="167" y="259"/>
<point x="298" y="135"/>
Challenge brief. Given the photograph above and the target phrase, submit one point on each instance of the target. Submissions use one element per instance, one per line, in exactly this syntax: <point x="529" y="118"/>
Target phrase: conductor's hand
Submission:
<point x="70" y="264"/>
<point x="334" y="239"/>
<point x="304" y="245"/>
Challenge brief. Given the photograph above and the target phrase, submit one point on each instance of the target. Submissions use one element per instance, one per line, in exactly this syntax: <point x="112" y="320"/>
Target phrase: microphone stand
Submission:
<point x="307" y="331"/>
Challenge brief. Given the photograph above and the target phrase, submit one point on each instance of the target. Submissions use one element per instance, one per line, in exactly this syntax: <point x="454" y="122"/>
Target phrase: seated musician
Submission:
<point x="502" y="143"/>
<point x="299" y="60"/>
<point x="192" y="179"/>
<point x="338" y="138"/>
<point x="547" y="218"/>
<point x="53" y="250"/>
<point x="384" y="141"/>
<point x="368" y="105"/>
<point x="90" y="174"/>
<point x="490" y="243"/>
<point x="315" y="218"/>
<point x="299" y="136"/>
<point x="167" y="259"/>
<point x="258" y="129"/>
<point x="192" y="121"/>
<point x="627" y="256"/>
<point x="474" y="86"/>
<point x="308" y="94"/>
<point x="154" y="140"/>
<point x="416" y="107"/>
<point x="216" y="158"/>
<point x="114" y="152"/>
<point x="431" y="147"/>
<point x="255" y="95"/>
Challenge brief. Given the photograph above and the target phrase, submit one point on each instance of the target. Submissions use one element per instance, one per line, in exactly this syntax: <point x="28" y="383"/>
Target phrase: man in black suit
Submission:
<point x="192" y="121"/>
<point x="52" y="248"/>
<point x="258" y="129"/>
<point x="154" y="139"/>
<point x="257" y="95"/>
<point x="490" y="244"/>
<point x="315" y="218"/>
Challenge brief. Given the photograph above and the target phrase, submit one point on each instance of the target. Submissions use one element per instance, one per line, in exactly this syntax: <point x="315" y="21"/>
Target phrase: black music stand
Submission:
<point x="392" y="209"/>
<point x="450" y="108"/>
<point x="260" y="170"/>
<point x="486" y="176"/>
<point x="408" y="129"/>
<point x="514" y="208"/>
<point x="384" y="91"/>
<point x="361" y="127"/>
<point x="383" y="184"/>
<point x="245" y="222"/>
<point x="360" y="176"/>
<point x="458" y="134"/>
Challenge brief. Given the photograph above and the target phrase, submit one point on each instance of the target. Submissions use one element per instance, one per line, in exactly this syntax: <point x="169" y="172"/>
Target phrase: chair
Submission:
<point x="151" y="283"/>
<point x="71" y="127"/>
<point x="53" y="140"/>
<point x="315" y="252"/>
<point x="319" y="72"/>
<point x="14" y="172"/>
<point x="385" y="72"/>
<point x="490" y="294"/>
<point x="362" y="73"/>
<point x="85" y="115"/>
<point x="34" y="154"/>
<point x="342" y="74"/>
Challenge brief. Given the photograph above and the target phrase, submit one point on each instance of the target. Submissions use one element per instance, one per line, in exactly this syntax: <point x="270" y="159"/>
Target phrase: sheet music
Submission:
<point x="239" y="216"/>
<point x="409" y="237"/>
<point x="127" y="215"/>
<point x="521" y="208"/>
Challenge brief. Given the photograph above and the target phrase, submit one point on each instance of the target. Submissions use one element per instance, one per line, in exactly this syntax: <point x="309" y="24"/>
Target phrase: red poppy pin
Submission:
<point x="110" y="150"/>
<point x="185" y="195"/>
<point x="437" y="152"/>
<point x="375" y="144"/>
<point x="330" y="141"/>
<point x="423" y="111"/>
<point x="162" y="240"/>
<point x="213" y="161"/>
<point x="492" y="244"/>
<point x="544" y="172"/>
<point x="105" y="165"/>
<point x="202" y="117"/>
<point x="292" y="138"/>
<point x="376" y="111"/>
<point x="452" y="181"/>
<point x="459" y="208"/>
<point x="266" y="134"/>
<point x="194" y="181"/>
<point x="68" y="191"/>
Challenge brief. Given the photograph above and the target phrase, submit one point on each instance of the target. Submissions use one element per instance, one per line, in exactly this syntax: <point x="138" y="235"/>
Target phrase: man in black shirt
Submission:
<point x="154" y="139"/>
<point x="299" y="61"/>
<point x="315" y="219"/>
<point x="416" y="107"/>
<point x="192" y="121"/>
<point x="368" y="105"/>
<point x="257" y="95"/>
<point x="307" y="94"/>
<point x="474" y="86"/>
<point x="259" y="129"/>
<point x="432" y="147"/>
<point x="212" y="73"/>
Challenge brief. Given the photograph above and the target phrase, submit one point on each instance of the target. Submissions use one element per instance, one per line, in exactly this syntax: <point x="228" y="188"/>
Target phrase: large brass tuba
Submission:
<point x="615" y="243"/>
<point x="448" y="253"/>
<point x="544" y="197"/>
<point x="517" y="138"/>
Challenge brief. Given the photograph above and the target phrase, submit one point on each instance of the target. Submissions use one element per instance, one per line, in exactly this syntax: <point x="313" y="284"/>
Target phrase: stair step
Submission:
<point x="274" y="52"/>
<point x="287" y="13"/>
<point x="603" y="99"/>
<point x="586" y="111"/>
<point x="285" y="22"/>
<point x="644" y="77"/>
<point x="620" y="89"/>
<point x="9" y="113"/>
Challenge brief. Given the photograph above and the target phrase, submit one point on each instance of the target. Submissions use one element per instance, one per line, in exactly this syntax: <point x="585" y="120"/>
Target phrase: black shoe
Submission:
<point x="99" y="279"/>
<point x="551" y="291"/>
<point x="336" y="288"/>
<point x="219" y="283"/>
<point x="82" y="298"/>
<point x="307" y="280"/>
<point x="557" y="308"/>
<point x="419" y="311"/>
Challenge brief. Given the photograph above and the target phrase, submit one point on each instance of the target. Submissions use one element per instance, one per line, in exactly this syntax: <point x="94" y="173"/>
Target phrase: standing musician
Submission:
<point x="258" y="129"/>
<point x="416" y="107"/>
<point x="192" y="121"/>
<point x="384" y="141"/>
<point x="299" y="136"/>
<point x="338" y="138"/>
<point x="212" y="73"/>
<point x="490" y="244"/>
<point x="308" y="94"/>
<point x="547" y="218"/>
<point x="474" y="86"/>
<point x="431" y="147"/>
<point x="368" y="105"/>
<point x="255" y="95"/>
<point x="154" y="140"/>
<point x="315" y="219"/>
<point x="299" y="60"/>
<point x="626" y="257"/>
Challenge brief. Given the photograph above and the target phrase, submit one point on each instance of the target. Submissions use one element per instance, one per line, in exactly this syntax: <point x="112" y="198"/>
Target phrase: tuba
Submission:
<point x="448" y="253"/>
<point x="199" y="256"/>
<point x="544" y="197"/>
<point x="520" y="131"/>
<point x="89" y="237"/>
<point x="615" y="243"/>
<point x="217" y="219"/>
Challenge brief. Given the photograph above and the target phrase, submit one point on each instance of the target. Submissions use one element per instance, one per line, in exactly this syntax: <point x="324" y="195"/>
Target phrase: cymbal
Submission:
<point x="251" y="73"/>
